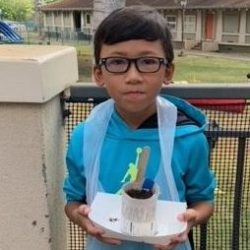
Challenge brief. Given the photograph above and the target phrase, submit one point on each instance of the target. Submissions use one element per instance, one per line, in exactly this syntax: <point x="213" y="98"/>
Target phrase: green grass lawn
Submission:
<point x="204" y="69"/>
<point x="189" y="68"/>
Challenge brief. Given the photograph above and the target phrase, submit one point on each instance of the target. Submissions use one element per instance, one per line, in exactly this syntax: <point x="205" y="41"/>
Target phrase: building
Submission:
<point x="209" y="25"/>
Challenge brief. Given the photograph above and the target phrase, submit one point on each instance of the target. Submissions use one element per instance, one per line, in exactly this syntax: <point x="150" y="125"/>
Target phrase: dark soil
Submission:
<point x="139" y="194"/>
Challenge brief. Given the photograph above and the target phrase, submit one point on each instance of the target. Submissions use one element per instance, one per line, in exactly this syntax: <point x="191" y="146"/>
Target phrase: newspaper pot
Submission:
<point x="138" y="213"/>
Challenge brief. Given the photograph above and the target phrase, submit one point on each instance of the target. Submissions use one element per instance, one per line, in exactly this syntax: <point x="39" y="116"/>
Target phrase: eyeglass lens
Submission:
<point x="122" y="65"/>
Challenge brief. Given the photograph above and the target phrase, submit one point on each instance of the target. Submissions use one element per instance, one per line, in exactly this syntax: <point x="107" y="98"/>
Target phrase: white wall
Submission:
<point x="32" y="145"/>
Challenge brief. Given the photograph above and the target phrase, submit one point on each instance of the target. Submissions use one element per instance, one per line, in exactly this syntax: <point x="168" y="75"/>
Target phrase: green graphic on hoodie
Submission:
<point x="131" y="173"/>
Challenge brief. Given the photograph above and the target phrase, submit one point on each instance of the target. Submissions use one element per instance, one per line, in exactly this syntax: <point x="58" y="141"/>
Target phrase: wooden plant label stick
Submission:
<point x="142" y="164"/>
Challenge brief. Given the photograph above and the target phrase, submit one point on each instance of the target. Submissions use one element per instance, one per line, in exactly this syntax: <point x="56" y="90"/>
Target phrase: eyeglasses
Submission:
<point x="142" y="64"/>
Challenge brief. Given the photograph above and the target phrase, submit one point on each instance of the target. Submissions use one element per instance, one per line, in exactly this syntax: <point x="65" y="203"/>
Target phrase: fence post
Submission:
<point x="238" y="193"/>
<point x="32" y="145"/>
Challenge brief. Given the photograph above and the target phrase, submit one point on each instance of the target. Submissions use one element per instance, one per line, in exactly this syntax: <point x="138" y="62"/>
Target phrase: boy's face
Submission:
<point x="134" y="92"/>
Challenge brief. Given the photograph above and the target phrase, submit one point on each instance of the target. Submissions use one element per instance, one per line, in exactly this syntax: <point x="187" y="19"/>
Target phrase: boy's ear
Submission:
<point x="169" y="73"/>
<point x="98" y="76"/>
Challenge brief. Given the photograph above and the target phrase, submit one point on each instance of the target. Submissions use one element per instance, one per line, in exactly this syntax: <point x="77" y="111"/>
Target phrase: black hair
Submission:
<point x="134" y="22"/>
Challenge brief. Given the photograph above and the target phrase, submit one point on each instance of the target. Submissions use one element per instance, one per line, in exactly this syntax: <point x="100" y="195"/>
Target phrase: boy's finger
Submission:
<point x="84" y="210"/>
<point x="86" y="223"/>
<point x="90" y="228"/>
<point x="189" y="215"/>
<point x="181" y="217"/>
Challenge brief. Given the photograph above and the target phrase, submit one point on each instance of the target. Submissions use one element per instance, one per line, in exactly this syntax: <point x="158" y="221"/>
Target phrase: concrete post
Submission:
<point x="198" y="36"/>
<point x="82" y="21"/>
<point x="219" y="29"/>
<point x="32" y="145"/>
<point x="72" y="21"/>
<point x="243" y="22"/>
<point x="179" y="28"/>
<point x="62" y="21"/>
<point x="53" y="25"/>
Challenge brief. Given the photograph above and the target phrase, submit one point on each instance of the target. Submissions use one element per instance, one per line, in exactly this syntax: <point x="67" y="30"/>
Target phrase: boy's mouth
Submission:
<point x="134" y="94"/>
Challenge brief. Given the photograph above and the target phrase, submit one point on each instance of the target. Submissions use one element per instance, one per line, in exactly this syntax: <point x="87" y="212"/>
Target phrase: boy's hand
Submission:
<point x="199" y="213"/>
<point x="190" y="217"/>
<point x="81" y="218"/>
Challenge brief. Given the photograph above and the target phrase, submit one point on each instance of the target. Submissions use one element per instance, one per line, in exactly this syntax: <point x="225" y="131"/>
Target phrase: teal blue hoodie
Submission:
<point x="119" y="157"/>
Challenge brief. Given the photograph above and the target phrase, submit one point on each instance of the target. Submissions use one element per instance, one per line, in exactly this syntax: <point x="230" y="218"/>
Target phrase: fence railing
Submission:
<point x="66" y="35"/>
<point x="33" y="34"/>
<point x="228" y="110"/>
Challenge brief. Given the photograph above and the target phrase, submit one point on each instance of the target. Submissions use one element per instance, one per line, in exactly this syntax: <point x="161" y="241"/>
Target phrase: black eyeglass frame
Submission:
<point x="162" y="61"/>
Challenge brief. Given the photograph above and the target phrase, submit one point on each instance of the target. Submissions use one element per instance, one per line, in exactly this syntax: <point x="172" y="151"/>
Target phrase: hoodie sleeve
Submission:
<point x="200" y="181"/>
<point x="74" y="184"/>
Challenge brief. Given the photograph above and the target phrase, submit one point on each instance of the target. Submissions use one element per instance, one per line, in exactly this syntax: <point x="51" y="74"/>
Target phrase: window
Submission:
<point x="190" y="23"/>
<point x="231" y="22"/>
<point x="171" y="20"/>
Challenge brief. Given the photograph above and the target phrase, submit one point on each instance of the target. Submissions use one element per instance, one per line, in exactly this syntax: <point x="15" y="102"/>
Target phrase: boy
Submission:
<point x="133" y="57"/>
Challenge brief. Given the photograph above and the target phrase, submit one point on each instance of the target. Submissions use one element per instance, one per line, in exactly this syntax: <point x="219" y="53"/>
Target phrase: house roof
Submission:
<point x="163" y="4"/>
<point x="219" y="4"/>
<point x="69" y="5"/>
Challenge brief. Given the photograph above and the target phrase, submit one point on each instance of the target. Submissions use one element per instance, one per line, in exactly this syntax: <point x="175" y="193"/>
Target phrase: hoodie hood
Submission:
<point x="197" y="123"/>
<point x="197" y="118"/>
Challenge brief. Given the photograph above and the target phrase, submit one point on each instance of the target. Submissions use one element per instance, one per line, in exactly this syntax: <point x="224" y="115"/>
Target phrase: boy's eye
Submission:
<point x="116" y="61"/>
<point x="148" y="61"/>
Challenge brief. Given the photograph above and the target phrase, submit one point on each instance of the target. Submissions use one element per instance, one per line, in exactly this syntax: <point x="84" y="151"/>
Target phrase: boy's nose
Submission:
<point x="133" y="75"/>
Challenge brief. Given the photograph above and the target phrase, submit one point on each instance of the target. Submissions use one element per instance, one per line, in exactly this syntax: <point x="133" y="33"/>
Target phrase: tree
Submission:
<point x="17" y="10"/>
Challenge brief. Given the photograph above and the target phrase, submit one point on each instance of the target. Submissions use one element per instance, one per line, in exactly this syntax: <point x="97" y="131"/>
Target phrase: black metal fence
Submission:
<point x="67" y="35"/>
<point x="33" y="34"/>
<point x="228" y="109"/>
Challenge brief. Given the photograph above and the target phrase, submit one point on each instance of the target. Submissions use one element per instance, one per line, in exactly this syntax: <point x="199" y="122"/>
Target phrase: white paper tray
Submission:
<point x="105" y="214"/>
